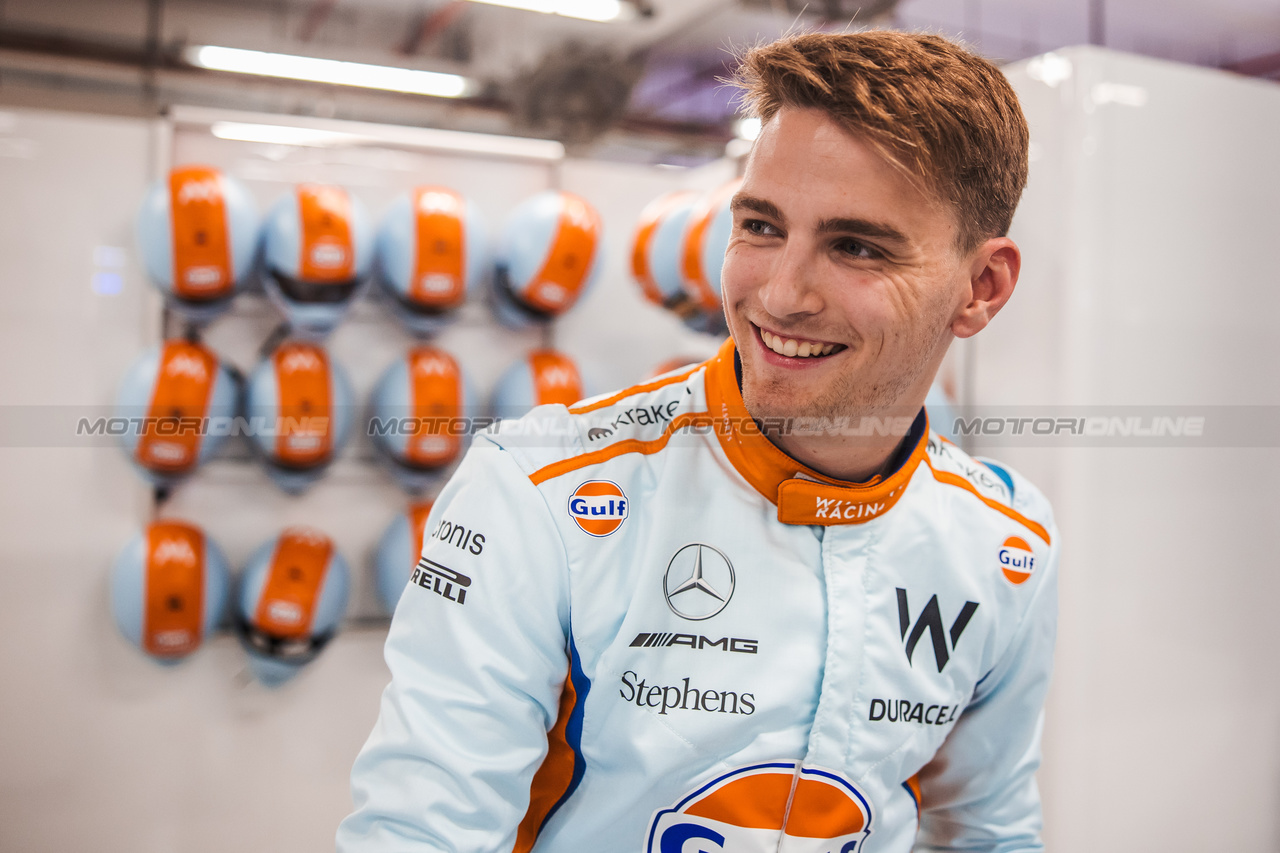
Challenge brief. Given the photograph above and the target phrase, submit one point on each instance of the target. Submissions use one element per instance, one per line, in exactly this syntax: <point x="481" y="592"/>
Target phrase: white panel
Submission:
<point x="101" y="748"/>
<point x="1149" y="231"/>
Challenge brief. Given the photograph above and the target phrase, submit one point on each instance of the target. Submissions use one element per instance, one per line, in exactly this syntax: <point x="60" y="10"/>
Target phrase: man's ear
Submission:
<point x="993" y="273"/>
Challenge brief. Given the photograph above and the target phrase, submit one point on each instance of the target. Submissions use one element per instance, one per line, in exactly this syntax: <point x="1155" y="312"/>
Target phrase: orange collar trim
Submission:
<point x="802" y="495"/>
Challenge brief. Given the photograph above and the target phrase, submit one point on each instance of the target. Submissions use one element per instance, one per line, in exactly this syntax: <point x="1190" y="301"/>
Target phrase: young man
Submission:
<point x="726" y="610"/>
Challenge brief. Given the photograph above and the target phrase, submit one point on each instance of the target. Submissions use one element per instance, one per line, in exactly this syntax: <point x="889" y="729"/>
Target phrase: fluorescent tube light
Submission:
<point x="277" y="134"/>
<point x="334" y="71"/>
<point x="328" y="132"/>
<point x="587" y="10"/>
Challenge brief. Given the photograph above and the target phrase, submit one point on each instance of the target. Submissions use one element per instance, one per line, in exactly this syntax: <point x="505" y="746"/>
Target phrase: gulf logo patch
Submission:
<point x="766" y="807"/>
<point x="599" y="507"/>
<point x="1017" y="561"/>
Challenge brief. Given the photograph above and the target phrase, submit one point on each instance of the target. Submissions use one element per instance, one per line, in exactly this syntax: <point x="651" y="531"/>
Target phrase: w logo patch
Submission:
<point x="930" y="619"/>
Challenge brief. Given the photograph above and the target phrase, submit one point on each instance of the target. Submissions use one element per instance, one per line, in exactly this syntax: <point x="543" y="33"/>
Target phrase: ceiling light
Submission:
<point x="279" y="134"/>
<point x="317" y="132"/>
<point x="333" y="71"/>
<point x="587" y="10"/>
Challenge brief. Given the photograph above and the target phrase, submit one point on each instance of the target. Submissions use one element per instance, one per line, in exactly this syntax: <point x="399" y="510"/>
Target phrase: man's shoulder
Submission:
<point x="997" y="486"/>
<point x="598" y="428"/>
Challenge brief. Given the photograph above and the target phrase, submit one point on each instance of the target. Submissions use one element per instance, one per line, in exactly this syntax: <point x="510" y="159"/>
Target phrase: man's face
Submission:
<point x="841" y="279"/>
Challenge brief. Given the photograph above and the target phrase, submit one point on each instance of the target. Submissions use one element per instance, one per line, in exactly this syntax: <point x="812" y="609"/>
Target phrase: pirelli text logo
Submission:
<point x="441" y="580"/>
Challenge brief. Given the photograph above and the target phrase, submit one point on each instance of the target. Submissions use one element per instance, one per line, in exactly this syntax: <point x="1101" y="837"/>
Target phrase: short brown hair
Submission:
<point x="945" y="116"/>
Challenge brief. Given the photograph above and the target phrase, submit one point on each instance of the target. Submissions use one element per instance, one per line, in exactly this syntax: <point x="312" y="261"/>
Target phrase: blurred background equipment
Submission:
<point x="197" y="232"/>
<point x="421" y="413"/>
<point x="541" y="378"/>
<point x="398" y="551"/>
<point x="433" y="254"/>
<point x="317" y="248"/>
<point x="548" y="258"/>
<point x="169" y="589"/>
<point x="179" y="401"/>
<point x="301" y="409"/>
<point x="290" y="602"/>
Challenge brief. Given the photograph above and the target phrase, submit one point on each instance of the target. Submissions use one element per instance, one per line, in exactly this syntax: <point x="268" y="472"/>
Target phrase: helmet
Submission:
<point x="657" y="249"/>
<point x="169" y="589"/>
<point x="542" y="377"/>
<point x="549" y="256"/>
<point x="171" y="396"/>
<point x="706" y="238"/>
<point x="432" y="253"/>
<point x="318" y="252"/>
<point x="674" y="364"/>
<point x="197" y="233"/>
<point x="292" y="597"/>
<point x="398" y="552"/>
<point x="300" y="406"/>
<point x="421" y="407"/>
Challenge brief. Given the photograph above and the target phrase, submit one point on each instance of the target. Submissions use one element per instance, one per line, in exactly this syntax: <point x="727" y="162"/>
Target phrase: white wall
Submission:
<point x="1149" y="232"/>
<point x="99" y="747"/>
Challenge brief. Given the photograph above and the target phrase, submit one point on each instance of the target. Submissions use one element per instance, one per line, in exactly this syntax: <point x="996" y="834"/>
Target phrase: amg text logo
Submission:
<point x="696" y="641"/>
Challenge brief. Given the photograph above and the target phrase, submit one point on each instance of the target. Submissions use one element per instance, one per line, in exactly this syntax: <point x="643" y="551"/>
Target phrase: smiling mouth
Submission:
<point x="798" y="347"/>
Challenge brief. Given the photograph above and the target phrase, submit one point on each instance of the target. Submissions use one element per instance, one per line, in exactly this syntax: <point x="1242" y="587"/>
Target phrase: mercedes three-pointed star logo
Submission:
<point x="699" y="582"/>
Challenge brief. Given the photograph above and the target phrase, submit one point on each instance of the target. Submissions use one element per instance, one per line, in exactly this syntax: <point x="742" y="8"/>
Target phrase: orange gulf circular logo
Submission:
<point x="815" y="810"/>
<point x="599" y="507"/>
<point x="1017" y="561"/>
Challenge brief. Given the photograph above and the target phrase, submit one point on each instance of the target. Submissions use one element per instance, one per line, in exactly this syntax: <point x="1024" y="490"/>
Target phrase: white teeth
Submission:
<point x="793" y="348"/>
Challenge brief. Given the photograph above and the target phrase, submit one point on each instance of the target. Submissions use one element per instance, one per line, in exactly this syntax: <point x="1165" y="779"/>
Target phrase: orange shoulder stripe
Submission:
<point x="630" y="445"/>
<point x="634" y="390"/>
<point x="956" y="480"/>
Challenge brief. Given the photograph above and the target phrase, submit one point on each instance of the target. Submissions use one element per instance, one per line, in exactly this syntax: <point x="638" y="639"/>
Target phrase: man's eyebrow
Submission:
<point x="862" y="227"/>
<point x="839" y="225"/>
<point x="759" y="205"/>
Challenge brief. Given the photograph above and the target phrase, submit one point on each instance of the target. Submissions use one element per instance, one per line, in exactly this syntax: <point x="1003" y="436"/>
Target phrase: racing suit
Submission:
<point x="638" y="625"/>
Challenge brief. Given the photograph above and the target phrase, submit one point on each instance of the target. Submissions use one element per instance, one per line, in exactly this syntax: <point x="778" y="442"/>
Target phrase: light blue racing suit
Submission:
<point x="638" y="626"/>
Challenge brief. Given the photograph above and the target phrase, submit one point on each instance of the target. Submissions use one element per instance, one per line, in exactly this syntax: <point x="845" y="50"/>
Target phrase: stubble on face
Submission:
<point x="869" y="388"/>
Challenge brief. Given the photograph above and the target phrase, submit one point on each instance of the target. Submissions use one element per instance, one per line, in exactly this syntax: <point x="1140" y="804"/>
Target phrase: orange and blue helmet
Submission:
<point x="169" y="589"/>
<point x="178" y="401"/>
<point x="197" y="232"/>
<point x="317" y="252"/>
<point x="300" y="409"/>
<point x="432" y="256"/>
<point x="291" y="602"/>
<point x="549" y="256"/>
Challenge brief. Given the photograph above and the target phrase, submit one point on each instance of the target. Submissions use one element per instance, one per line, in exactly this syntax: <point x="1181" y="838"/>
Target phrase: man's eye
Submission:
<point x="755" y="226"/>
<point x="857" y="249"/>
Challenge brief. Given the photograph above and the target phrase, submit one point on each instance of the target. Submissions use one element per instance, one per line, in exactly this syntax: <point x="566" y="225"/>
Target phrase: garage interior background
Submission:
<point x="1149" y="285"/>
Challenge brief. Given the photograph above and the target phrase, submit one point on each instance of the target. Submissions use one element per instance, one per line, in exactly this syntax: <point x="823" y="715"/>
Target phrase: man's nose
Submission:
<point x="791" y="287"/>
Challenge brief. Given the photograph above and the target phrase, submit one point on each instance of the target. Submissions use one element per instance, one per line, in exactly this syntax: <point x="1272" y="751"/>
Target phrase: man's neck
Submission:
<point x="855" y="458"/>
